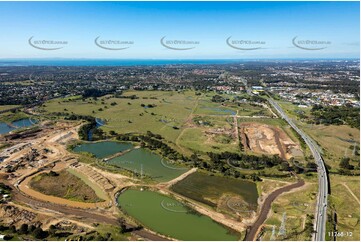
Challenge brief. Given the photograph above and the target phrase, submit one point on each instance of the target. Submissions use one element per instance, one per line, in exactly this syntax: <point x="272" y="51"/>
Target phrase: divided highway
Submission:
<point x="321" y="210"/>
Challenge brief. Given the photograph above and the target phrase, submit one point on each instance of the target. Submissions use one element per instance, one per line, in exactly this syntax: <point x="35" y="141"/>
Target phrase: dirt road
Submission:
<point x="252" y="233"/>
<point x="177" y="179"/>
<point x="77" y="213"/>
<point x="350" y="191"/>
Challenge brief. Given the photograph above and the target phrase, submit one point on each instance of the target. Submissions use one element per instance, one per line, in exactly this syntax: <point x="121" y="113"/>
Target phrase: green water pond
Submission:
<point x="170" y="217"/>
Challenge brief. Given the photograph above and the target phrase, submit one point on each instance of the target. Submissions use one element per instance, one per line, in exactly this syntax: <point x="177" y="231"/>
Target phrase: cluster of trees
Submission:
<point x="310" y="167"/>
<point x="347" y="169"/>
<point x="36" y="231"/>
<point x="79" y="117"/>
<point x="218" y="99"/>
<point x="336" y="115"/>
<point x="240" y="145"/>
<point x="245" y="161"/>
<point x="128" y="137"/>
<point x="32" y="231"/>
<point x="227" y="164"/>
<point x="154" y="142"/>
<point x="219" y="164"/>
<point x="166" y="150"/>
<point x="148" y="106"/>
<point x="129" y="97"/>
<point x="309" y="229"/>
<point x="84" y="130"/>
<point x="257" y="99"/>
<point x="223" y="168"/>
<point x="94" y="92"/>
<point x="340" y="86"/>
<point x="4" y="188"/>
<point x="345" y="164"/>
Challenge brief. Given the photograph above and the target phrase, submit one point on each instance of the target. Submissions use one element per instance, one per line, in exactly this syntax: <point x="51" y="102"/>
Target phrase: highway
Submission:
<point x="321" y="209"/>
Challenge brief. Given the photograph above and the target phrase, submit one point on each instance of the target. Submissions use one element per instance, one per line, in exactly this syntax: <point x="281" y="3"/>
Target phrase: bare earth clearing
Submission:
<point x="266" y="139"/>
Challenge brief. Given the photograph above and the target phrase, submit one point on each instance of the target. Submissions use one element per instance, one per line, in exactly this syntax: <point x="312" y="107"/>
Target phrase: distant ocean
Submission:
<point x="108" y="62"/>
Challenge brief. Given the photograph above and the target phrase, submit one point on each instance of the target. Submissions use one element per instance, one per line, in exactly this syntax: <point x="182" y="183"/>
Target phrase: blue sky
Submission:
<point x="274" y="24"/>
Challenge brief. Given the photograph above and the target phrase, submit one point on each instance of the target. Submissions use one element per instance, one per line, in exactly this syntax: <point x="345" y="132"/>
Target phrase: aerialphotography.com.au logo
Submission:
<point x="177" y="44"/>
<point x="113" y="44"/>
<point x="43" y="44"/>
<point x="307" y="44"/>
<point x="245" y="44"/>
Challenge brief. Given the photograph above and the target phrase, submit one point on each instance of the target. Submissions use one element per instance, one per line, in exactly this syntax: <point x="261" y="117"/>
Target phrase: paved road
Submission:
<point x="321" y="210"/>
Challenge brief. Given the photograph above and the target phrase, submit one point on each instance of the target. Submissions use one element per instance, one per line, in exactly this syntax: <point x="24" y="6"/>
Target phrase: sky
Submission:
<point x="253" y="29"/>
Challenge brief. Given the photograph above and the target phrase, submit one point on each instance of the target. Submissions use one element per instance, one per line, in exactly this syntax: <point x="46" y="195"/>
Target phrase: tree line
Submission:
<point x="336" y="115"/>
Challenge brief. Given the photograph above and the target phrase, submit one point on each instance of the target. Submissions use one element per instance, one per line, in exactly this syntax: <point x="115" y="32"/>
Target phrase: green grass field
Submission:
<point x="346" y="205"/>
<point x="71" y="187"/>
<point x="98" y="191"/>
<point x="5" y="107"/>
<point x="9" y="117"/>
<point x="336" y="143"/>
<point x="335" y="140"/>
<point x="221" y="193"/>
<point x="171" y="116"/>
<point x="295" y="204"/>
<point x="171" y="109"/>
<point x="197" y="140"/>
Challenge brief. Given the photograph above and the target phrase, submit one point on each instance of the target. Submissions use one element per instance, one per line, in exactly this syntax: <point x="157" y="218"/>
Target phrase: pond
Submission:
<point x="98" y="123"/>
<point x="103" y="149"/>
<point x="6" y="128"/>
<point x="150" y="164"/>
<point x="170" y="217"/>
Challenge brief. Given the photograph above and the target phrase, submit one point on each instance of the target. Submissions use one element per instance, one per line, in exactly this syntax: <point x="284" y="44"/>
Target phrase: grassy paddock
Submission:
<point x="296" y="204"/>
<point x="71" y="187"/>
<point x="98" y="191"/>
<point x="335" y="140"/>
<point x="5" y="107"/>
<point x="214" y="191"/>
<point x="171" y="110"/>
<point x="9" y="117"/>
<point x="345" y="205"/>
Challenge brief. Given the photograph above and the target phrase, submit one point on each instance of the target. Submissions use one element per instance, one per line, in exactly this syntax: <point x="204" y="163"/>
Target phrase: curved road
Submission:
<point x="77" y="213"/>
<point x="252" y="233"/>
<point x="321" y="209"/>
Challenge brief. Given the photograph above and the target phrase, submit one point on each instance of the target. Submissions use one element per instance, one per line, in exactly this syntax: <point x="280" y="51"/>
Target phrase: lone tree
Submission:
<point x="31" y="228"/>
<point x="345" y="163"/>
<point x="39" y="233"/>
<point x="122" y="226"/>
<point x="24" y="229"/>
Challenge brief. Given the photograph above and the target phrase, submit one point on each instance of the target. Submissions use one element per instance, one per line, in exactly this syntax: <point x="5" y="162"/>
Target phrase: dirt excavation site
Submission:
<point x="267" y="139"/>
<point x="35" y="154"/>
